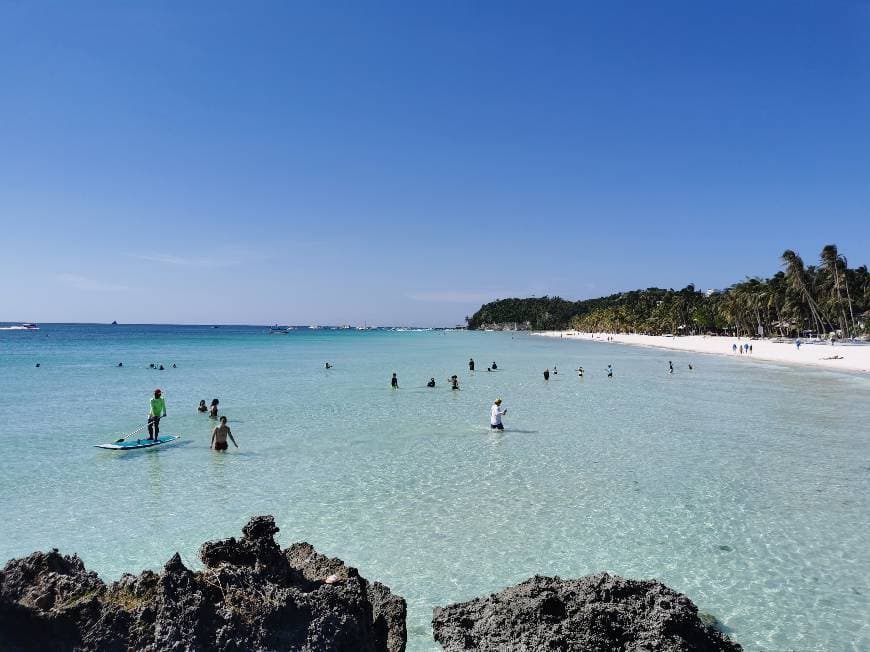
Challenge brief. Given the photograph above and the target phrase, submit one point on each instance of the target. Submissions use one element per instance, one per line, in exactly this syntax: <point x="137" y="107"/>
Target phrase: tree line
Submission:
<point x="822" y="299"/>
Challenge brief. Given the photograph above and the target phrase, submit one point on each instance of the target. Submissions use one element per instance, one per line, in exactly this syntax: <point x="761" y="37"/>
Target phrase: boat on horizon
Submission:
<point x="21" y="327"/>
<point x="278" y="330"/>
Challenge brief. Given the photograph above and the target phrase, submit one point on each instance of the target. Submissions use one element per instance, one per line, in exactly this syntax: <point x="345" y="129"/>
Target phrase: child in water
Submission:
<point x="202" y="406"/>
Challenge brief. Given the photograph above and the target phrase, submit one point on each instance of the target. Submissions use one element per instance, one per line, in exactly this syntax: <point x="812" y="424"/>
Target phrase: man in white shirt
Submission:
<point x="495" y="415"/>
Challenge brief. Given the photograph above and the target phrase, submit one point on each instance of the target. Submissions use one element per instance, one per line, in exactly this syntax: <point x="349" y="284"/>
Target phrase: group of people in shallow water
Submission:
<point x="219" y="435"/>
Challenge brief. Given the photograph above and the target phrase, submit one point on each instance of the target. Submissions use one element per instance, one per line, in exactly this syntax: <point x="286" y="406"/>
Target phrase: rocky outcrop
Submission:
<point x="251" y="595"/>
<point x="595" y="613"/>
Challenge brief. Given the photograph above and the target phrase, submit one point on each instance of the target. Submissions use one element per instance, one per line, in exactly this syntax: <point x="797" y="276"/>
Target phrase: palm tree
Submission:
<point x="797" y="279"/>
<point x="830" y="260"/>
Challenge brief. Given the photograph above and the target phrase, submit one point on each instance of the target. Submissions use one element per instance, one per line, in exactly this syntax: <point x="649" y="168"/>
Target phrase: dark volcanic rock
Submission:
<point x="250" y="596"/>
<point x="595" y="613"/>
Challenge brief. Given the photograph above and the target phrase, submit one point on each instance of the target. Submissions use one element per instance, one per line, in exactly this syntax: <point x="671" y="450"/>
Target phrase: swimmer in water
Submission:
<point x="495" y="415"/>
<point x="202" y="407"/>
<point x="494" y="365"/>
<point x="580" y="372"/>
<point x="431" y="383"/>
<point x="454" y="382"/>
<point x="670" y="367"/>
<point x="690" y="366"/>
<point x="213" y="411"/>
<point x="555" y="370"/>
<point x="219" y="436"/>
<point x="327" y="365"/>
<point x="609" y="371"/>
<point x="120" y="364"/>
<point x="546" y="374"/>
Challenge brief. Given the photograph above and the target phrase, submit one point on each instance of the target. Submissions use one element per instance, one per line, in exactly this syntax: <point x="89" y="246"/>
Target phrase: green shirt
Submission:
<point x="158" y="407"/>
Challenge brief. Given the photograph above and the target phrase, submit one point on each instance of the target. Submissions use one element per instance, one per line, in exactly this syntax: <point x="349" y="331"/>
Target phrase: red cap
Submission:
<point x="157" y="391"/>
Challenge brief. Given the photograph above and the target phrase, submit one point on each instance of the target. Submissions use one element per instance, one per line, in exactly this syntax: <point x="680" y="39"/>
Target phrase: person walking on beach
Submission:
<point x="156" y="410"/>
<point x="546" y="374"/>
<point x="471" y="364"/>
<point x="733" y="348"/>
<point x="394" y="382"/>
<point x="219" y="436"/>
<point x="495" y="415"/>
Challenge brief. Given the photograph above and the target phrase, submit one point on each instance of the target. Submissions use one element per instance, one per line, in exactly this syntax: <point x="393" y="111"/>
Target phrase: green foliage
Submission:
<point x="828" y="298"/>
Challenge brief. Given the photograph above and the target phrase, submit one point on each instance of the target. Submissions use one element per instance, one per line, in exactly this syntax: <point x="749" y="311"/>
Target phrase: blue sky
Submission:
<point x="402" y="162"/>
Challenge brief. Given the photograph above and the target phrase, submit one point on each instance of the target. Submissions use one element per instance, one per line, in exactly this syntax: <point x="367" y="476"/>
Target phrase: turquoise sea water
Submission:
<point x="742" y="484"/>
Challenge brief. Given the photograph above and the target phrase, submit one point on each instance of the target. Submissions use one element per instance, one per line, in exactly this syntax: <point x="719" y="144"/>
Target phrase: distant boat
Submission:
<point x="114" y="323"/>
<point x="278" y="330"/>
<point x="24" y="327"/>
<point x="314" y="327"/>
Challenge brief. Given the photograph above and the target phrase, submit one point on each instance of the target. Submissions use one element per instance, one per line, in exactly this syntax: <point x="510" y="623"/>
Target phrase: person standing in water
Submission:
<point x="394" y="382"/>
<point x="670" y="367"/>
<point x="495" y="415"/>
<point x="471" y="364"/>
<point x="555" y="370"/>
<point x="580" y="372"/>
<point x="219" y="436"/>
<point x="213" y="411"/>
<point x="202" y="407"/>
<point x="494" y="365"/>
<point x="546" y="374"/>
<point x="156" y="410"/>
<point x="610" y="371"/>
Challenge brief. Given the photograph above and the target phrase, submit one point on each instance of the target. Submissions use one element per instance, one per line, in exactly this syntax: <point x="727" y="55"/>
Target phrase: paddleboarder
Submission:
<point x="157" y="409"/>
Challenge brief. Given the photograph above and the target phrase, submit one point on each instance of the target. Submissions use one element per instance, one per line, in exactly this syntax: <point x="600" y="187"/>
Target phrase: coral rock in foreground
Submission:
<point x="251" y="596"/>
<point x="594" y="613"/>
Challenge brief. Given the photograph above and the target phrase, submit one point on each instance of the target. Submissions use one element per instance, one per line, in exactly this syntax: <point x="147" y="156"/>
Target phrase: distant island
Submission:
<point x="828" y="298"/>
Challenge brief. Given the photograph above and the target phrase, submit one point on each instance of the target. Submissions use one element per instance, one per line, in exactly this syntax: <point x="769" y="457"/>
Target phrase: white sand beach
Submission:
<point x="840" y="356"/>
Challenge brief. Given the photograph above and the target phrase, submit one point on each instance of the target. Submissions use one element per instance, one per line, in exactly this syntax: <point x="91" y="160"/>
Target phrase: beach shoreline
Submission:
<point x="853" y="358"/>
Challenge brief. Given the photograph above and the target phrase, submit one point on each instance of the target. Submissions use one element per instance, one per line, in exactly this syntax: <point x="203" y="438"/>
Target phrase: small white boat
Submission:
<point x="21" y="327"/>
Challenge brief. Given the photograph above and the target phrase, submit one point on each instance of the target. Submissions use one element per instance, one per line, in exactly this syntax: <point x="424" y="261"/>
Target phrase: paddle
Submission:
<point x="130" y="434"/>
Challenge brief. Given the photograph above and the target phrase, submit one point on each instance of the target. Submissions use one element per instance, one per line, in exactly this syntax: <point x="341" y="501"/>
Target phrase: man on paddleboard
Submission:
<point x="157" y="410"/>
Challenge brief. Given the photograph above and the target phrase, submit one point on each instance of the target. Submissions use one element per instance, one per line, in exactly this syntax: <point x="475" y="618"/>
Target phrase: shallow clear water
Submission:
<point x="742" y="484"/>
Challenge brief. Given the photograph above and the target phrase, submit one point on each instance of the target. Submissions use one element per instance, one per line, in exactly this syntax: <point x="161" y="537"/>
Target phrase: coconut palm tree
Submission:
<point x="798" y="281"/>
<point x="830" y="260"/>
